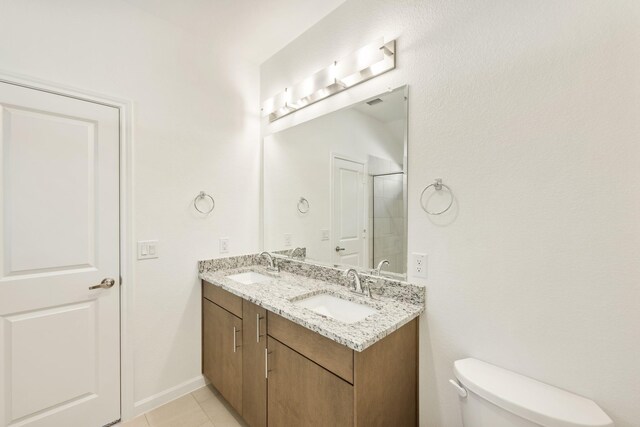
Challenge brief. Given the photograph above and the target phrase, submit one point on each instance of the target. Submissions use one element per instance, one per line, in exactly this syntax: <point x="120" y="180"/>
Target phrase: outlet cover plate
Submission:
<point x="419" y="268"/>
<point x="224" y="245"/>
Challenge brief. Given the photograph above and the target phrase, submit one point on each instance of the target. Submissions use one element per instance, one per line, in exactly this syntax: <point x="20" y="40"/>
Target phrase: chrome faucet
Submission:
<point x="352" y="272"/>
<point x="380" y="265"/>
<point x="297" y="253"/>
<point x="273" y="265"/>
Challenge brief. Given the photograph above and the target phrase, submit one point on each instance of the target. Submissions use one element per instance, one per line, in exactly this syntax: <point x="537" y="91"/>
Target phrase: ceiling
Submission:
<point x="391" y="108"/>
<point x="254" y="29"/>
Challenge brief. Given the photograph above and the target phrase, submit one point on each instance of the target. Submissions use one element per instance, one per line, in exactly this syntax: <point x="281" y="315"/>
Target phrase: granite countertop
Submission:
<point x="285" y="288"/>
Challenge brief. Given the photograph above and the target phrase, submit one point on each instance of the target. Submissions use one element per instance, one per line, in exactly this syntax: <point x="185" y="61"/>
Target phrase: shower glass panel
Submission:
<point x="388" y="221"/>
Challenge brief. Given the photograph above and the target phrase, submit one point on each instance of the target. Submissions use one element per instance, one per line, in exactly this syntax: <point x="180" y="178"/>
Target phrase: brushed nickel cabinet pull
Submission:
<point x="235" y="340"/>
<point x="266" y="362"/>
<point x="258" y="327"/>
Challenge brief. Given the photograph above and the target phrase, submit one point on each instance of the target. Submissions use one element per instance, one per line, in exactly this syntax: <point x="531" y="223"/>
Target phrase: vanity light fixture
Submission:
<point x="367" y="62"/>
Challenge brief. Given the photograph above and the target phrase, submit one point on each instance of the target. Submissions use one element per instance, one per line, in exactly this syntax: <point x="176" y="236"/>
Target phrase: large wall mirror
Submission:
<point x="337" y="186"/>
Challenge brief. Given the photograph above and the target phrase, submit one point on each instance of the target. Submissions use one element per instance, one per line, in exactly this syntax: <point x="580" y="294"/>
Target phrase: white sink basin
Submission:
<point x="337" y="308"/>
<point x="250" y="278"/>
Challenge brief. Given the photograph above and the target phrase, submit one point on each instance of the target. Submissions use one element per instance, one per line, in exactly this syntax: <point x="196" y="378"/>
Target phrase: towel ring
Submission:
<point x="438" y="186"/>
<point x="200" y="196"/>
<point x="303" y="205"/>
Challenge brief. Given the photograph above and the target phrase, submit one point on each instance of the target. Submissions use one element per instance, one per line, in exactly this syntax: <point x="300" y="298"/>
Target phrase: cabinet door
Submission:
<point x="254" y="381"/>
<point x="222" y="352"/>
<point x="302" y="393"/>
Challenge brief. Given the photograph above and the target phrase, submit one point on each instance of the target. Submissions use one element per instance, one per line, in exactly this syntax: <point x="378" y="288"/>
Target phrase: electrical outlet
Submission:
<point x="324" y="235"/>
<point x="419" y="265"/>
<point x="287" y="239"/>
<point x="147" y="249"/>
<point x="224" y="245"/>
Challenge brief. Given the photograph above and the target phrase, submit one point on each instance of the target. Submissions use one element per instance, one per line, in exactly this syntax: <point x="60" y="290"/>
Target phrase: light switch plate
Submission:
<point x="147" y="249"/>
<point x="287" y="239"/>
<point x="224" y="245"/>
<point x="419" y="265"/>
<point x="324" y="235"/>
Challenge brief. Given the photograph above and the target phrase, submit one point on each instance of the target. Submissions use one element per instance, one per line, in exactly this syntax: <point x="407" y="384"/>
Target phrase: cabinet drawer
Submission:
<point x="224" y="299"/>
<point x="323" y="351"/>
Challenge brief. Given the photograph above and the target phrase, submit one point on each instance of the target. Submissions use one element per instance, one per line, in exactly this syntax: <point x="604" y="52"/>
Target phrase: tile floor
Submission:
<point x="202" y="408"/>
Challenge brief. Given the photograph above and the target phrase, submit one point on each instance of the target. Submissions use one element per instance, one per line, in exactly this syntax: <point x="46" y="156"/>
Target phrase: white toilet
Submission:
<point x="494" y="397"/>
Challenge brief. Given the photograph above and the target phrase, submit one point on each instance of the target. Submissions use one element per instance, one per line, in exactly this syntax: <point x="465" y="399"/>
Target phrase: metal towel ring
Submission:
<point x="438" y="186"/>
<point x="303" y="205"/>
<point x="200" y="196"/>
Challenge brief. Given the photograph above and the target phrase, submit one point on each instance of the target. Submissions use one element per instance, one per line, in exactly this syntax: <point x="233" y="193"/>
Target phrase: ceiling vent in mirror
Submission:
<point x="374" y="101"/>
<point x="366" y="63"/>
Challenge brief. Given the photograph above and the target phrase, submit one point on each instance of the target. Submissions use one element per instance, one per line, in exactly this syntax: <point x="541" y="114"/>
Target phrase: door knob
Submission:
<point x="338" y="249"/>
<point x="105" y="284"/>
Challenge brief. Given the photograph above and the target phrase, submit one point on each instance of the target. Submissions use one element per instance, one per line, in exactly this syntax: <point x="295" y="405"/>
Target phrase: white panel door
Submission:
<point x="59" y="235"/>
<point x="348" y="212"/>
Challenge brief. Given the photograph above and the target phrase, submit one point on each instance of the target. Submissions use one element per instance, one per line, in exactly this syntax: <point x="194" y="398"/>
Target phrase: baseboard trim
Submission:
<point x="159" y="399"/>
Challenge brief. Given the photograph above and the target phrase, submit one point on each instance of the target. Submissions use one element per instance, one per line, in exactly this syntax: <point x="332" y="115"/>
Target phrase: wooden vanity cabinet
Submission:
<point x="374" y="387"/>
<point x="277" y="373"/>
<point x="222" y="352"/>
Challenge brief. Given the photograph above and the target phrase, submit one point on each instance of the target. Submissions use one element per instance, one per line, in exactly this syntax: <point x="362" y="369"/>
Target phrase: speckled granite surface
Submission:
<point x="397" y="302"/>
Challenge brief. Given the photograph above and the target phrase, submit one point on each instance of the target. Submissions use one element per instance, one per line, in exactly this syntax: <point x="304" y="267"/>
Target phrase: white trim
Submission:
<point x="127" y="262"/>
<point x="336" y="155"/>
<point x="165" y="396"/>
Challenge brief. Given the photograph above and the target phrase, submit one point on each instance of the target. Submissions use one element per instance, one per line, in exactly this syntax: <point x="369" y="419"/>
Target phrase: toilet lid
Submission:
<point x="530" y="399"/>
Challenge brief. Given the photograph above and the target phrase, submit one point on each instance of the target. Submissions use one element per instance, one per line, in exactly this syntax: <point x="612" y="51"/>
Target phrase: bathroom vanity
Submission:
<point x="295" y="346"/>
<point x="281" y="358"/>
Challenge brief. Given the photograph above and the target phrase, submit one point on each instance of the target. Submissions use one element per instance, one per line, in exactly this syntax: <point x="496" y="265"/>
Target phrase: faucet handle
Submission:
<point x="366" y="286"/>
<point x="377" y="282"/>
<point x="373" y="285"/>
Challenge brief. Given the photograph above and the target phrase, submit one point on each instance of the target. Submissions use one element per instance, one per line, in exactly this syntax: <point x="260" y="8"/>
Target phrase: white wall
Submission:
<point x="195" y="128"/>
<point x="530" y="111"/>
<point x="297" y="162"/>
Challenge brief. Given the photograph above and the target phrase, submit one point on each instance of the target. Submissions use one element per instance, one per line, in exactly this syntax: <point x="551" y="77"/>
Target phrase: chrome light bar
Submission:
<point x="366" y="63"/>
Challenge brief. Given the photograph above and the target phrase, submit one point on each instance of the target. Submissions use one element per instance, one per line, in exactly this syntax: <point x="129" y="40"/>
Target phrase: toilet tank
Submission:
<point x="495" y="397"/>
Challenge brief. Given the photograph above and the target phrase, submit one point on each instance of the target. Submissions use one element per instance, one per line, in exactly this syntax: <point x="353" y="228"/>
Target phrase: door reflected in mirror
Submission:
<point x="349" y="166"/>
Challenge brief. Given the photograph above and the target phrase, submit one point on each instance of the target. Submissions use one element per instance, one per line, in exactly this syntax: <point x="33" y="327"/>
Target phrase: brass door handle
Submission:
<point x="105" y="284"/>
